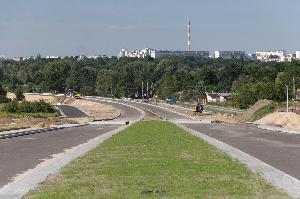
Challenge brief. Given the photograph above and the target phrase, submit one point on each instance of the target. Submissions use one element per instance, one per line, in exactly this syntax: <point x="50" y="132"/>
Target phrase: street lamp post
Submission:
<point x="287" y="98"/>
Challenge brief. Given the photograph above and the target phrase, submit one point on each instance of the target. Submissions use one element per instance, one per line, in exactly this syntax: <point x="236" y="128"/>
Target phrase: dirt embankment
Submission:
<point x="94" y="109"/>
<point x="282" y="119"/>
<point x="247" y="115"/>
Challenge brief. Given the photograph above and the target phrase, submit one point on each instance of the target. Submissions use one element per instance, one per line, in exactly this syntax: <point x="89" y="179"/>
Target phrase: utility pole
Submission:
<point x="111" y="90"/>
<point x="147" y="90"/>
<point x="143" y="91"/>
<point x="287" y="98"/>
<point x="294" y="88"/>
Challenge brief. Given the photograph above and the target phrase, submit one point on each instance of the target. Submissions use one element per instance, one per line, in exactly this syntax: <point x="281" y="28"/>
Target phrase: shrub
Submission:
<point x="11" y="107"/>
<point x="28" y="107"/>
<point x="19" y="94"/>
<point x="3" y="93"/>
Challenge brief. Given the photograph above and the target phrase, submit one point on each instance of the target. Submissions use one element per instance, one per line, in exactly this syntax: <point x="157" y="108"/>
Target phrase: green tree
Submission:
<point x="19" y="94"/>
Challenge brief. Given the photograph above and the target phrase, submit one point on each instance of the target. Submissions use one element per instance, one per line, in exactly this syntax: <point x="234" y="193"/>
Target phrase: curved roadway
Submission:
<point x="71" y="111"/>
<point x="20" y="154"/>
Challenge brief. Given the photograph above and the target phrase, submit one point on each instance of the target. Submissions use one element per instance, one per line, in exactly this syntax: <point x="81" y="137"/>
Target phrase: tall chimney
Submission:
<point x="189" y="36"/>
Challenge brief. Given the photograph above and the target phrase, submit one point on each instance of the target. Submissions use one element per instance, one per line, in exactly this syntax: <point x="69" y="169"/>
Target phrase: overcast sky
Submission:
<point x="72" y="27"/>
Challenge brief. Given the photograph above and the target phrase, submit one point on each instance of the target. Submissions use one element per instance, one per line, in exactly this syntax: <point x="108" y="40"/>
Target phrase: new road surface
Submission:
<point x="277" y="149"/>
<point x="71" y="111"/>
<point x="21" y="154"/>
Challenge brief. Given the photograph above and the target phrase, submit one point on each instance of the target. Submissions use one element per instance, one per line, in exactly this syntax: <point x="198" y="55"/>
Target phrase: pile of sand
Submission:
<point x="247" y="115"/>
<point x="49" y="99"/>
<point x="286" y="120"/>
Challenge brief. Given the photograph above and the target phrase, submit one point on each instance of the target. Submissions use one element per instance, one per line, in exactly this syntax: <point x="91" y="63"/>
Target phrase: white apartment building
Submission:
<point x="277" y="55"/>
<point x="298" y="54"/>
<point x="52" y="57"/>
<point x="228" y="54"/>
<point x="137" y="54"/>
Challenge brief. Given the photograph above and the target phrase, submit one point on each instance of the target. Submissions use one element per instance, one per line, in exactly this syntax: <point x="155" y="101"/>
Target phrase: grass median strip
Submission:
<point x="155" y="159"/>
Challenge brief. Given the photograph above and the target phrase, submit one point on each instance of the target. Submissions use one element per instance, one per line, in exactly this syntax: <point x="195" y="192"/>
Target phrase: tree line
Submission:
<point x="176" y="76"/>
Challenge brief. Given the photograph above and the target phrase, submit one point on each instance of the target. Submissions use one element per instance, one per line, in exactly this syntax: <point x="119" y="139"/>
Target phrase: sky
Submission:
<point x="73" y="27"/>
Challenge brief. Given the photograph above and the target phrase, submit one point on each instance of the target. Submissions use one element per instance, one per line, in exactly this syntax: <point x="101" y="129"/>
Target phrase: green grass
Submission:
<point x="155" y="159"/>
<point x="264" y="111"/>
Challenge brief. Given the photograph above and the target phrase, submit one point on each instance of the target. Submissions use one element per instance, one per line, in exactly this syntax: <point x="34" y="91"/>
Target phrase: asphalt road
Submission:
<point x="71" y="111"/>
<point x="20" y="154"/>
<point x="280" y="150"/>
<point x="277" y="149"/>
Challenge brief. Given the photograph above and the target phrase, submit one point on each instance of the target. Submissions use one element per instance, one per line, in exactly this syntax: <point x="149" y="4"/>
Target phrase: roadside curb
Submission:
<point x="14" y="128"/>
<point x="277" y="129"/>
<point x="38" y="131"/>
<point x="278" y="178"/>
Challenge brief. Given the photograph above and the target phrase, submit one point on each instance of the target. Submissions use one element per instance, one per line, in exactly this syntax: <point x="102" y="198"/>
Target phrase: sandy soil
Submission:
<point x="34" y="122"/>
<point x="286" y="120"/>
<point x="204" y="117"/>
<point x="94" y="109"/>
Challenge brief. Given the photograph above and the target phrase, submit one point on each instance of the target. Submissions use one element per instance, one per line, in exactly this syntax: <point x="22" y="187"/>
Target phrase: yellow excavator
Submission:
<point x="77" y="95"/>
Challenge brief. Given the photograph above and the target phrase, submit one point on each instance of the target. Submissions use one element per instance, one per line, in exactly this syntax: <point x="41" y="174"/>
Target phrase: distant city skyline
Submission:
<point x="73" y="27"/>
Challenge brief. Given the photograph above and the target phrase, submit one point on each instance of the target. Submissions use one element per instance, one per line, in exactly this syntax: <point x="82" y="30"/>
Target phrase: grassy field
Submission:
<point x="155" y="159"/>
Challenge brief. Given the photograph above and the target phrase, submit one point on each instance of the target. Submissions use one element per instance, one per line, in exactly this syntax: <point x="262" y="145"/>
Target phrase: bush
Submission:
<point x="19" y="94"/>
<point x="3" y="93"/>
<point x="11" y="107"/>
<point x="28" y="107"/>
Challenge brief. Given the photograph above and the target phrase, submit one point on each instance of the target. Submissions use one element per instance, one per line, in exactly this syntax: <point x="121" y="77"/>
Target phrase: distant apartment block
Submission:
<point x="52" y="57"/>
<point x="298" y="54"/>
<point x="230" y="54"/>
<point x="277" y="55"/>
<point x="96" y="56"/>
<point x="18" y="58"/>
<point x="162" y="54"/>
<point x="147" y="52"/>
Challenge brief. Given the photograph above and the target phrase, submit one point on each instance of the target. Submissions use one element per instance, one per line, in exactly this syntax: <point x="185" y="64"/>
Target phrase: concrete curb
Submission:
<point x="37" y="131"/>
<point x="277" y="129"/>
<point x="14" y="128"/>
<point x="278" y="178"/>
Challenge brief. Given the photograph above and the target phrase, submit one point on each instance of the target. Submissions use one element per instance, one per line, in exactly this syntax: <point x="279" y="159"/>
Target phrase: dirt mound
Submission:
<point x="282" y="119"/>
<point x="246" y="116"/>
<point x="49" y="99"/>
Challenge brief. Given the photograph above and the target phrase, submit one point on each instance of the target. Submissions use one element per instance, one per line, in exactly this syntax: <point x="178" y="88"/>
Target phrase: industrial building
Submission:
<point x="167" y="53"/>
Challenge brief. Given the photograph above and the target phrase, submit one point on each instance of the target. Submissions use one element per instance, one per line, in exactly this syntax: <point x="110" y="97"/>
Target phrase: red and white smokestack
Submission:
<point x="189" y="36"/>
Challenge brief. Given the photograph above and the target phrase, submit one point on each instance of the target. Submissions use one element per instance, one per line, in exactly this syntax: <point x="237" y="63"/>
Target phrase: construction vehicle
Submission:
<point x="77" y="95"/>
<point x="73" y="94"/>
<point x="171" y="100"/>
<point x="198" y="108"/>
